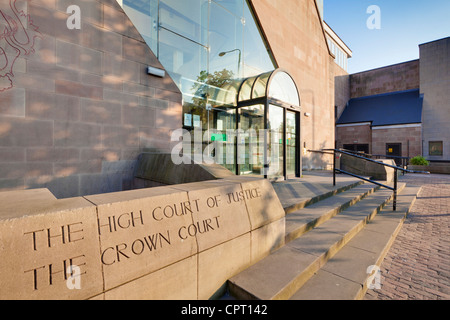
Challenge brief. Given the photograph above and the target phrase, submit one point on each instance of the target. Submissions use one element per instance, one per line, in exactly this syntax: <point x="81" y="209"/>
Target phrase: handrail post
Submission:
<point x="395" y="189"/>
<point x="334" y="168"/>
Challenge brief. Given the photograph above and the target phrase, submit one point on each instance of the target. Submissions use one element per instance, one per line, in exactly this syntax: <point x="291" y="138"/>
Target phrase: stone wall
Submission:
<point x="296" y="38"/>
<point x="340" y="83"/>
<point x="354" y="134"/>
<point x="435" y="84"/>
<point x="181" y="242"/>
<point x="409" y="137"/>
<point x="399" y="77"/>
<point x="77" y="106"/>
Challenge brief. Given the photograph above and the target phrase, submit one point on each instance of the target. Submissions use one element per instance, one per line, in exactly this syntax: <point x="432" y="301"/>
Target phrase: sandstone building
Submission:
<point x="87" y="86"/>
<point x="401" y="110"/>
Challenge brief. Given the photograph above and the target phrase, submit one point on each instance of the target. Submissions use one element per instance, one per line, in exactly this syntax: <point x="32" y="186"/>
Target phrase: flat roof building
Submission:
<point x="401" y="110"/>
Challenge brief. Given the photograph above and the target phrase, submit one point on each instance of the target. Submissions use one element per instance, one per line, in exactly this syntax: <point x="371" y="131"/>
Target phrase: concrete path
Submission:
<point x="418" y="265"/>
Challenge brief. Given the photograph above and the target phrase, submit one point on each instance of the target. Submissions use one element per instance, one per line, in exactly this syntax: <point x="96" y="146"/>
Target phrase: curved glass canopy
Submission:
<point x="275" y="85"/>
<point x="283" y="88"/>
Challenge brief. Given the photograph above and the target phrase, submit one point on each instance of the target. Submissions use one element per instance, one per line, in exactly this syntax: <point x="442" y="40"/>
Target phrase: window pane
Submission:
<point x="259" y="89"/>
<point x="436" y="148"/>
<point x="225" y="36"/>
<point x="276" y="145"/>
<point x="144" y="14"/>
<point x="251" y="140"/>
<point x="187" y="18"/>
<point x="246" y="89"/>
<point x="235" y="7"/>
<point x="185" y="61"/>
<point x="283" y="88"/>
<point x="257" y="59"/>
<point x="291" y="143"/>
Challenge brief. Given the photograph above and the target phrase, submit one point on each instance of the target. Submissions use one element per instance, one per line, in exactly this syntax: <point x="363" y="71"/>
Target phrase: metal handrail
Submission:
<point x="376" y="155"/>
<point x="365" y="179"/>
<point x="394" y="189"/>
<point x="404" y="160"/>
<point x="367" y="159"/>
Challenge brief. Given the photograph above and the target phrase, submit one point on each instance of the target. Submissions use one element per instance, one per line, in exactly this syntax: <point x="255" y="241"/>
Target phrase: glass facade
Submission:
<point x="202" y="44"/>
<point x="215" y="53"/>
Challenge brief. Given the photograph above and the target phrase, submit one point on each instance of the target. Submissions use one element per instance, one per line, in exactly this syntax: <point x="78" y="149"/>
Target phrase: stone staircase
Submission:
<point x="329" y="246"/>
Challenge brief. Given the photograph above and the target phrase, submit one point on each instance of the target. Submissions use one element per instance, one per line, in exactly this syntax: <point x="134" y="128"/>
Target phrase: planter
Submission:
<point x="442" y="168"/>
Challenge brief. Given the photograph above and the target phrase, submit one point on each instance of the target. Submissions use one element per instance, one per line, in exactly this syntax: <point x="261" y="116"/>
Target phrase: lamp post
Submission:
<point x="239" y="63"/>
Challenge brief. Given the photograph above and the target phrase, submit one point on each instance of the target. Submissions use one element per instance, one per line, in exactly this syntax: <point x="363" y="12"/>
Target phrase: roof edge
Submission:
<point x="388" y="94"/>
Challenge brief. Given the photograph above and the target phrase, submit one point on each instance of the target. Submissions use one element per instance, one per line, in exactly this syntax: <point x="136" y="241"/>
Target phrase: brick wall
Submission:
<point x="76" y="106"/>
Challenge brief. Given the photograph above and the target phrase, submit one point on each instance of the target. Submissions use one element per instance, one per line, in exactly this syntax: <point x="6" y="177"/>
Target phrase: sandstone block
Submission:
<point x="141" y="231"/>
<point x="40" y="240"/>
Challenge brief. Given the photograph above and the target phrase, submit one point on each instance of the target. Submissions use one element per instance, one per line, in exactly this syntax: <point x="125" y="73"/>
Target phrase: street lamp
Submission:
<point x="239" y="63"/>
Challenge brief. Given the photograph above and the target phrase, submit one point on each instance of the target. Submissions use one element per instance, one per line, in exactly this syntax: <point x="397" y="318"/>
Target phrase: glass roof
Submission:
<point x="277" y="85"/>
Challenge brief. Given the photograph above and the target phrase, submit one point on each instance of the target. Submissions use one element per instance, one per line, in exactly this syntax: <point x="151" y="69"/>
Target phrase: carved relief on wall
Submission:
<point x="17" y="39"/>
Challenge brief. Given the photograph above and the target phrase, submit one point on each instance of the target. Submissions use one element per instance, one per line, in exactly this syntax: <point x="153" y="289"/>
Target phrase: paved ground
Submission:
<point x="418" y="265"/>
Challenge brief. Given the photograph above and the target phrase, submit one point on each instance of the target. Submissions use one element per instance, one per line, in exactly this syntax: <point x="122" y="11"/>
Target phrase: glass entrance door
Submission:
<point x="270" y="149"/>
<point x="291" y="143"/>
<point x="275" y="147"/>
<point x="251" y="140"/>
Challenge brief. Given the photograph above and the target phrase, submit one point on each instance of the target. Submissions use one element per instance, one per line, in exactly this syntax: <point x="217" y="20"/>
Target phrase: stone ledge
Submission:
<point x="125" y="240"/>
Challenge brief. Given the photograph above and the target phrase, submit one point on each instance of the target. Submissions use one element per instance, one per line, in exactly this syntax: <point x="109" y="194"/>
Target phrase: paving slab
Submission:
<point x="326" y="286"/>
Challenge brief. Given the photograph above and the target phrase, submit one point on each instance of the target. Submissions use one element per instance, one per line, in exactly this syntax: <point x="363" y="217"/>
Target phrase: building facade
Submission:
<point x="434" y="85"/>
<point x="400" y="110"/>
<point x="79" y="103"/>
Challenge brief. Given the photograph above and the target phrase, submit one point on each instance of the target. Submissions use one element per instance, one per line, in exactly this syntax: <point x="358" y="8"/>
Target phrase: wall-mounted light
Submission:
<point x="307" y="114"/>
<point x="156" y="72"/>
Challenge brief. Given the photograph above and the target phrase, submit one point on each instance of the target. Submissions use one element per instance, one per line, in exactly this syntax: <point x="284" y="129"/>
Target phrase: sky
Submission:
<point x="403" y="25"/>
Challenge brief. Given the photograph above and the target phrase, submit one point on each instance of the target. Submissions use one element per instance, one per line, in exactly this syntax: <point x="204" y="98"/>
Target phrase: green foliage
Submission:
<point x="419" y="161"/>
<point x="207" y="83"/>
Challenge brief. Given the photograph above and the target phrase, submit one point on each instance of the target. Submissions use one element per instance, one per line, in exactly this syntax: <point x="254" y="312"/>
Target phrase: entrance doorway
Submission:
<point x="258" y="128"/>
<point x="269" y="127"/>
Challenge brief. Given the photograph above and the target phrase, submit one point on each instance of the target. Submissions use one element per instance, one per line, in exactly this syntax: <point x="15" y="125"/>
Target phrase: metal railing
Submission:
<point x="404" y="160"/>
<point x="396" y="169"/>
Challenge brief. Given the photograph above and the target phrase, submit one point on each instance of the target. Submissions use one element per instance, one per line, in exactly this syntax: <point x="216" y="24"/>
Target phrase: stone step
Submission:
<point x="345" y="276"/>
<point x="284" y="272"/>
<point x="295" y="195"/>
<point x="301" y="221"/>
